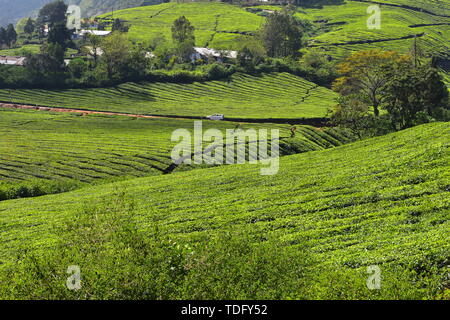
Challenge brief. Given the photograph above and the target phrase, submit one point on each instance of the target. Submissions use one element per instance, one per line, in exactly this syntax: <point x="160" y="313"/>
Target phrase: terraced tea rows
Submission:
<point x="438" y="7"/>
<point x="243" y="96"/>
<point x="345" y="28"/>
<point x="37" y="146"/>
<point x="217" y="25"/>
<point x="376" y="201"/>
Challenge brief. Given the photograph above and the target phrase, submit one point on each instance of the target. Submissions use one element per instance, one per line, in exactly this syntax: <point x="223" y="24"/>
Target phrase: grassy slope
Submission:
<point x="268" y="96"/>
<point x="441" y="7"/>
<point x="73" y="148"/>
<point x="395" y="23"/>
<point x="216" y="24"/>
<point x="370" y="202"/>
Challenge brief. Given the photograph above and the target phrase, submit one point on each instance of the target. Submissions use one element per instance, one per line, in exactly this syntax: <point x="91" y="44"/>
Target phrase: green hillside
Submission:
<point x="342" y="29"/>
<point x="243" y="96"/>
<point x="70" y="150"/>
<point x="348" y="23"/>
<point x="380" y="201"/>
<point x="217" y="25"/>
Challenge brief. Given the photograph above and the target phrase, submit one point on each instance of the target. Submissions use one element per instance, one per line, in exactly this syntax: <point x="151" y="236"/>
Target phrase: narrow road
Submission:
<point x="316" y="122"/>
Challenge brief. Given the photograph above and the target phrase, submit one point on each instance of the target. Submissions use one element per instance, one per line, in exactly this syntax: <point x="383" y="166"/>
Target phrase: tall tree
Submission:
<point x="29" y="27"/>
<point x="11" y="35"/>
<point x="115" y="56"/>
<point x="364" y="74"/>
<point x="52" y="13"/>
<point x="183" y="37"/>
<point x="415" y="95"/>
<point x="93" y="50"/>
<point x="119" y="25"/>
<point x="61" y="35"/>
<point x="3" y="37"/>
<point x="183" y="31"/>
<point x="282" y="34"/>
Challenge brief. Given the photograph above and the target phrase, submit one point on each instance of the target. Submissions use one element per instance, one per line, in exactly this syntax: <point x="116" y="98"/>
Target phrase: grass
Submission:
<point x="22" y="51"/>
<point x="381" y="201"/>
<point x="217" y="25"/>
<point x="40" y="148"/>
<point x="268" y="96"/>
<point x="440" y="7"/>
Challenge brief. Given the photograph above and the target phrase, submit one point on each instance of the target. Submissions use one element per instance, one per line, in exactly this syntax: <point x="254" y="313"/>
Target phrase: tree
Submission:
<point x="183" y="37"/>
<point x="415" y="95"/>
<point x="61" y="35"/>
<point x="11" y="35"/>
<point x="251" y="54"/>
<point x="29" y="27"/>
<point x="3" y="37"/>
<point x="119" y="25"/>
<point x="364" y="74"/>
<point x="93" y="50"/>
<point x="116" y="49"/>
<point x="353" y="114"/>
<point x="282" y="34"/>
<point x="416" y="52"/>
<point x="183" y="31"/>
<point x="53" y="13"/>
<point x="48" y="66"/>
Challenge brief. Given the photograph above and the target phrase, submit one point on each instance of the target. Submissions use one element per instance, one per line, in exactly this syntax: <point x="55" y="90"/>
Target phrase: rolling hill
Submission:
<point x="25" y="8"/>
<point x="379" y="201"/>
<point x="242" y="96"/>
<point x="43" y="153"/>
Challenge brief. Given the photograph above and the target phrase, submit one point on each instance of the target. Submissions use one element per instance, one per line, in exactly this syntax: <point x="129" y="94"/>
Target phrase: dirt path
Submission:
<point x="315" y="122"/>
<point x="84" y="112"/>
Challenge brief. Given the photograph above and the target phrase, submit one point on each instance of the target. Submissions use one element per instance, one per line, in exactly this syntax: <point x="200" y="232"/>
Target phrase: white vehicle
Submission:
<point x="215" y="117"/>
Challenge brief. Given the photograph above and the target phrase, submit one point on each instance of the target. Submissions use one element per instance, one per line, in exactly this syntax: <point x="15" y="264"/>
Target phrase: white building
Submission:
<point x="202" y="53"/>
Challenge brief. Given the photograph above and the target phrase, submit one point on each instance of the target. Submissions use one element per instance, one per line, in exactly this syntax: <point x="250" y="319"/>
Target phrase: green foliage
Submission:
<point x="53" y="13"/>
<point x="41" y="150"/>
<point x="120" y="262"/>
<point x="217" y="25"/>
<point x="10" y="35"/>
<point x="187" y="93"/>
<point x="120" y="26"/>
<point x="29" y="27"/>
<point x="381" y="201"/>
<point x="59" y="34"/>
<point x="282" y="35"/>
<point x="415" y="95"/>
<point x="115" y="55"/>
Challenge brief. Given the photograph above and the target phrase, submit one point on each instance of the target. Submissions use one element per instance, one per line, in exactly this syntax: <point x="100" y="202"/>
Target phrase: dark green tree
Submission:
<point x="53" y="13"/>
<point x="61" y="35"/>
<point x="183" y="31"/>
<point x="11" y="35"/>
<point x="119" y="25"/>
<point x="3" y="37"/>
<point x="183" y="38"/>
<point x="29" y="27"/>
<point x="415" y="95"/>
<point x="282" y="35"/>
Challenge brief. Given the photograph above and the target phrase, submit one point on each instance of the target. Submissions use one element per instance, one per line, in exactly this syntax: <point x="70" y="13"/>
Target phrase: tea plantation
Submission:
<point x="381" y="201"/>
<point x="44" y="152"/>
<point x="277" y="95"/>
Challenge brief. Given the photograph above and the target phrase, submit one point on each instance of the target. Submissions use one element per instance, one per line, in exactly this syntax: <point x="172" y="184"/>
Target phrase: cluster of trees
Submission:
<point x="8" y="36"/>
<point x="384" y="91"/>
